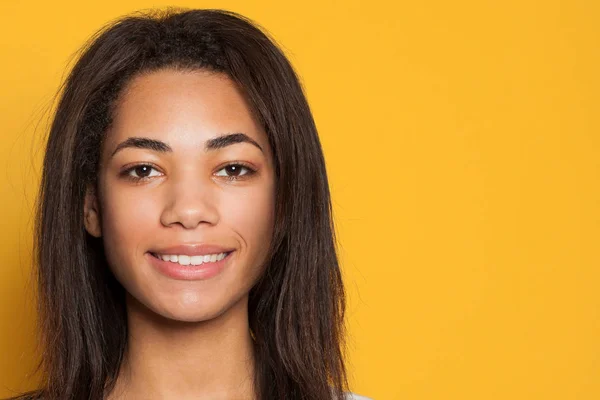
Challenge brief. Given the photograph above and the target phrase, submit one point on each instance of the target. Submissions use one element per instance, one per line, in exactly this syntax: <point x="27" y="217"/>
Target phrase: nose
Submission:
<point x="189" y="202"/>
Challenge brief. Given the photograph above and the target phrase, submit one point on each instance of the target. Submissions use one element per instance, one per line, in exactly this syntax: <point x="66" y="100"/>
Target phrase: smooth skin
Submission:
<point x="187" y="339"/>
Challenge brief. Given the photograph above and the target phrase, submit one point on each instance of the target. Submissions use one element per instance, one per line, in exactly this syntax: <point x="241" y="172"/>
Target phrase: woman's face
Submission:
<point x="172" y="175"/>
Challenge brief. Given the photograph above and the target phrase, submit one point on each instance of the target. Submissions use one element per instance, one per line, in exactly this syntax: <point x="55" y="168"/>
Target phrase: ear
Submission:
<point x="91" y="213"/>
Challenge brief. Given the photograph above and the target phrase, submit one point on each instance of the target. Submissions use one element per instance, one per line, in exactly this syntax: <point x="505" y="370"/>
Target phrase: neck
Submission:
<point x="187" y="360"/>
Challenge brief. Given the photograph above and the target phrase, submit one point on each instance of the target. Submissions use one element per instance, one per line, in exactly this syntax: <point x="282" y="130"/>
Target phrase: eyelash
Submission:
<point x="126" y="173"/>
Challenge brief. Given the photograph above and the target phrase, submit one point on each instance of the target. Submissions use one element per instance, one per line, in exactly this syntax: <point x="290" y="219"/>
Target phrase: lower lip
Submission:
<point x="189" y="272"/>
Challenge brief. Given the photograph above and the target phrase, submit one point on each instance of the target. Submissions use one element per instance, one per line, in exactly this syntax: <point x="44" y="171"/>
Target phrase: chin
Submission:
<point x="193" y="307"/>
<point x="191" y="316"/>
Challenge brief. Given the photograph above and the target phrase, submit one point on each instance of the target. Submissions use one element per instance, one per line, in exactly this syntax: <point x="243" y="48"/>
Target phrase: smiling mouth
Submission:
<point x="184" y="259"/>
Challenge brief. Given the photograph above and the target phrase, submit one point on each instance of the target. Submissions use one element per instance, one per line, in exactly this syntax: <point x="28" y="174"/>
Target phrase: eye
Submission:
<point x="234" y="171"/>
<point x="139" y="172"/>
<point x="231" y="172"/>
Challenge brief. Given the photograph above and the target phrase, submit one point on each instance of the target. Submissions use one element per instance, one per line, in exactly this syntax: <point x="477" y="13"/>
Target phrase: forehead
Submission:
<point x="183" y="108"/>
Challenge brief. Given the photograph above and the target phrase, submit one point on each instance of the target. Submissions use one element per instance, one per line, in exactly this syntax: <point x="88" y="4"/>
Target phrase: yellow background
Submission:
<point x="462" y="140"/>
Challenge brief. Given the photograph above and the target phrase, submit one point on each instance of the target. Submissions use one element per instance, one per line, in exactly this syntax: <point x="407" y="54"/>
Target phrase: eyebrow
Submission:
<point x="218" y="142"/>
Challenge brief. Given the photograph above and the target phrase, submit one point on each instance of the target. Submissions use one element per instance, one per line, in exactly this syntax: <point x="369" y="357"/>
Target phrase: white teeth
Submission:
<point x="184" y="260"/>
<point x="193" y="260"/>
<point x="197" y="260"/>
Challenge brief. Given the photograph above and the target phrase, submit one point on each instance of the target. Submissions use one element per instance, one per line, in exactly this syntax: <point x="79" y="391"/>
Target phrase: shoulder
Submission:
<point x="32" y="395"/>
<point x="354" y="396"/>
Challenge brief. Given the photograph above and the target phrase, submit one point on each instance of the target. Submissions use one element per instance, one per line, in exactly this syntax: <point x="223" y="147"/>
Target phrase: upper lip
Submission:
<point x="192" y="249"/>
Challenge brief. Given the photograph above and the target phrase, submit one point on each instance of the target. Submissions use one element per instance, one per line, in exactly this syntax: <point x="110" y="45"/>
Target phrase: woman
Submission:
<point x="184" y="238"/>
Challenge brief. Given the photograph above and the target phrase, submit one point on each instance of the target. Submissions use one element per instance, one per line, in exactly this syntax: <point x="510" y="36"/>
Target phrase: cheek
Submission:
<point x="251" y="215"/>
<point x="127" y="219"/>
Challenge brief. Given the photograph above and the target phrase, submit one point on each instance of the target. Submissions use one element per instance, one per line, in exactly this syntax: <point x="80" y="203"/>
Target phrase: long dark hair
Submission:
<point x="296" y="310"/>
